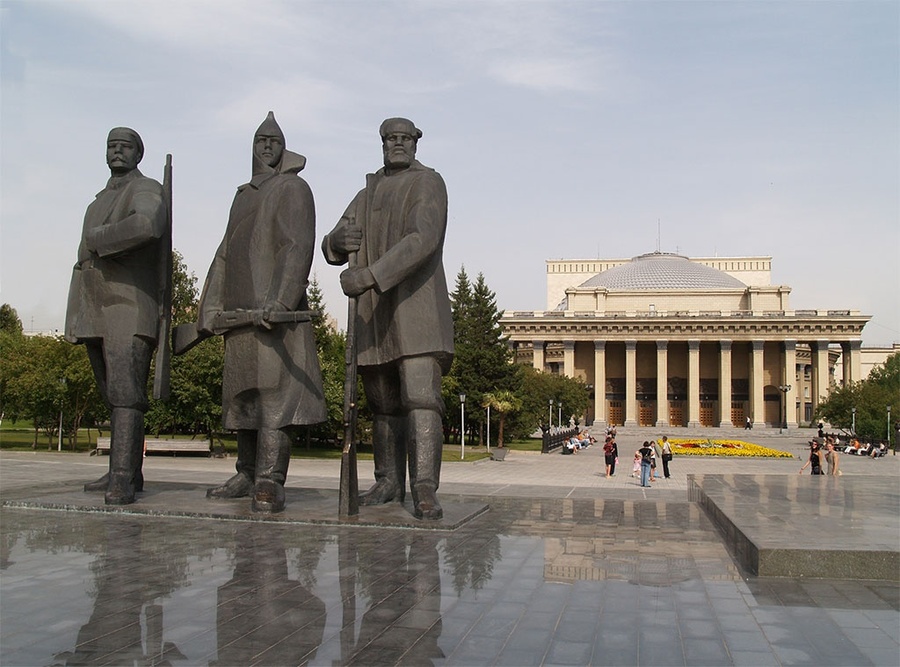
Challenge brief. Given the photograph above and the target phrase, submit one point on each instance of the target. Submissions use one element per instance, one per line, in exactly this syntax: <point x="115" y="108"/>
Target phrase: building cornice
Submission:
<point x="736" y="325"/>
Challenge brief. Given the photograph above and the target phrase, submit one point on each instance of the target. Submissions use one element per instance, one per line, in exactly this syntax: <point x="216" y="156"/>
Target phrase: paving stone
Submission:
<point x="562" y="567"/>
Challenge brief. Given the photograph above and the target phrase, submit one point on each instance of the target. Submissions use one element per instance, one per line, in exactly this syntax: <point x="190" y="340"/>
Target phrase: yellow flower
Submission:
<point x="708" y="447"/>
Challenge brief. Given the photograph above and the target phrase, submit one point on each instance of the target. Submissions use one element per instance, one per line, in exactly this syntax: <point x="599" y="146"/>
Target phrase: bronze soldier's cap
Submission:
<point x="404" y="125"/>
<point x="130" y="135"/>
<point x="270" y="128"/>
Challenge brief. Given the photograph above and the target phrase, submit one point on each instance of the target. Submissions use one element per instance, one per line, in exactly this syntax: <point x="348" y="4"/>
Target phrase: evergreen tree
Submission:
<point x="482" y="362"/>
<point x="331" y="346"/>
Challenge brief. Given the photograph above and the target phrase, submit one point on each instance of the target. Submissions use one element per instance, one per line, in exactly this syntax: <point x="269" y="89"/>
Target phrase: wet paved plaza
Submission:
<point x="577" y="575"/>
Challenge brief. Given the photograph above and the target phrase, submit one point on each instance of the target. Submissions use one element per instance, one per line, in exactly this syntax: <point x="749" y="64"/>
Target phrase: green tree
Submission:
<point x="538" y="388"/>
<point x="10" y="349"/>
<point x="870" y="397"/>
<point x="42" y="377"/>
<point x="482" y="362"/>
<point x="330" y="346"/>
<point x="83" y="406"/>
<point x="9" y="320"/>
<point x="12" y="353"/>
<point x="184" y="291"/>
<point x="195" y="398"/>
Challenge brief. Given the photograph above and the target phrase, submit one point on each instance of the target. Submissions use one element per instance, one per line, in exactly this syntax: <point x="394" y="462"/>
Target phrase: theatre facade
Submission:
<point x="665" y="340"/>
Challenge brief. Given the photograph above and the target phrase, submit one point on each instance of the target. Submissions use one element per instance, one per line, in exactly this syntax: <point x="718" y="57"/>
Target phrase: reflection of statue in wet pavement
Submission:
<point x="404" y="581"/>
<point x="114" y="633"/>
<point x="262" y="616"/>
<point x="396" y="227"/>
<point x="116" y="303"/>
<point x="272" y="379"/>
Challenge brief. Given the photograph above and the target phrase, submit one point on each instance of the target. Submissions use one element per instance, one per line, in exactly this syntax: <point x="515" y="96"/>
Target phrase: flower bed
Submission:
<point x="708" y="447"/>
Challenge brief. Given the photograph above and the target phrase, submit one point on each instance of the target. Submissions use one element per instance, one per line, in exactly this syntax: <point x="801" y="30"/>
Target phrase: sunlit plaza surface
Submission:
<point x="540" y="560"/>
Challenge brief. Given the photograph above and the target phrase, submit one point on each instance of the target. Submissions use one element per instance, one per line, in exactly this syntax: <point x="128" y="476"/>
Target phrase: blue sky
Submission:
<point x="563" y="130"/>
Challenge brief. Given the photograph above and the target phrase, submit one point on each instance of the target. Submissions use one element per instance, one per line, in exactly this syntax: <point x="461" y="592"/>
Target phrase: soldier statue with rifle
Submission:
<point x="392" y="236"/>
<point x="119" y="303"/>
<point x="255" y="294"/>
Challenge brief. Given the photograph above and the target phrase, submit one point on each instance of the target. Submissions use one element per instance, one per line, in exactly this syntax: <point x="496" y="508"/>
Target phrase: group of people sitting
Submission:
<point x="580" y="440"/>
<point x="870" y="449"/>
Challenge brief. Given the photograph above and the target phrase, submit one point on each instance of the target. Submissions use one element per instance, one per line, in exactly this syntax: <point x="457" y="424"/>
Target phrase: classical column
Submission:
<point x="538" y="351"/>
<point x="569" y="358"/>
<point x="851" y="360"/>
<point x="819" y="355"/>
<point x="662" y="383"/>
<point x="725" y="384"/>
<point x="631" y="383"/>
<point x="757" y="384"/>
<point x="790" y="378"/>
<point x="600" y="382"/>
<point x="855" y="361"/>
<point x="693" y="383"/>
<point x="845" y="364"/>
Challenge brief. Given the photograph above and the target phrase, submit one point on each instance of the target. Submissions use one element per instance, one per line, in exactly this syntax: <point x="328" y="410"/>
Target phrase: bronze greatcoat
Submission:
<point x="272" y="377"/>
<point x="117" y="285"/>
<point x="404" y="220"/>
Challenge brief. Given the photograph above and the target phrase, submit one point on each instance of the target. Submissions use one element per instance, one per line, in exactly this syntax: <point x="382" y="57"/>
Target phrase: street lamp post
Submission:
<point x="559" y="416"/>
<point x="462" y="426"/>
<point x="853" y="425"/>
<point x="551" y="413"/>
<point x="62" y="381"/>
<point x="784" y="389"/>
<point x="489" y="427"/>
<point x="889" y="428"/>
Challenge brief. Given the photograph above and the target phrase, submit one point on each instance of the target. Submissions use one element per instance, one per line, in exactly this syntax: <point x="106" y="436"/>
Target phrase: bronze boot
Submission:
<point x="426" y="441"/>
<point x="390" y="462"/>
<point x="125" y="455"/>
<point x="241" y="484"/>
<point x="272" y="459"/>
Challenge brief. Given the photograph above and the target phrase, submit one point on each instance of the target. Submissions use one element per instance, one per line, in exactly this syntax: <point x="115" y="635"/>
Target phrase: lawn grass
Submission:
<point x="20" y="437"/>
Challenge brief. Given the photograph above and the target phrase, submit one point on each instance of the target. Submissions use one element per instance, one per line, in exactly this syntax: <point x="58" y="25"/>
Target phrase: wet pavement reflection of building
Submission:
<point x="531" y="582"/>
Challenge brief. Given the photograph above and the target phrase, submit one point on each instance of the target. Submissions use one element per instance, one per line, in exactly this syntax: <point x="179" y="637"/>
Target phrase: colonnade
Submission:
<point x="722" y="381"/>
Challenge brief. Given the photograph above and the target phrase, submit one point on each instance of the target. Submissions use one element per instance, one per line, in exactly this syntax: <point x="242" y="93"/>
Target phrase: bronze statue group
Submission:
<point x="391" y="236"/>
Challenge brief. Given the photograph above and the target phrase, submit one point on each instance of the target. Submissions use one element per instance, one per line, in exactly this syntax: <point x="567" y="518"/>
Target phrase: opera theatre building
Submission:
<point x="664" y="340"/>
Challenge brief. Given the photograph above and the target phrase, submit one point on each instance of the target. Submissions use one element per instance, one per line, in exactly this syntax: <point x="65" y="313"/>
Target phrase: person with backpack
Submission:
<point x="646" y="453"/>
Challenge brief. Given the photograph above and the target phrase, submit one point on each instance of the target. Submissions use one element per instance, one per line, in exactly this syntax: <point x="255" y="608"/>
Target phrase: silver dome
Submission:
<point x="663" y="271"/>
